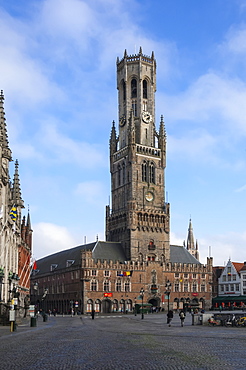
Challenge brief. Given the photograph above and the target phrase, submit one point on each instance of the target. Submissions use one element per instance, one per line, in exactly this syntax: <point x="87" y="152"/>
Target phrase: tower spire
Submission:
<point x="6" y="152"/>
<point x="113" y="140"/>
<point x="16" y="190"/>
<point x="191" y="246"/>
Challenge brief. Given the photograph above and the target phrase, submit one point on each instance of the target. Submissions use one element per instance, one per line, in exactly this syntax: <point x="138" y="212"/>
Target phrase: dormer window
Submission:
<point x="53" y="266"/>
<point x="69" y="263"/>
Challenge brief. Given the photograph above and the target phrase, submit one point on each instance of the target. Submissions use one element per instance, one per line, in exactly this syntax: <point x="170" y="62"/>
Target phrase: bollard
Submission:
<point x="33" y="322"/>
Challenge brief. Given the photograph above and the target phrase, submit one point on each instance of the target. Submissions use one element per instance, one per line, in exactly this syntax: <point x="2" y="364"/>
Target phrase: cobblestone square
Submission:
<point x="121" y="342"/>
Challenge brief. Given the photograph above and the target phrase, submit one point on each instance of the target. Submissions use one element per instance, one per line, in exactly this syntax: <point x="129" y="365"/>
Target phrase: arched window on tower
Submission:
<point x="119" y="175"/>
<point x="144" y="172"/>
<point x="123" y="173"/>
<point x="152" y="173"/>
<point x="145" y="85"/>
<point x="134" y="88"/>
<point x="134" y="96"/>
<point x="134" y="107"/>
<point x="124" y="89"/>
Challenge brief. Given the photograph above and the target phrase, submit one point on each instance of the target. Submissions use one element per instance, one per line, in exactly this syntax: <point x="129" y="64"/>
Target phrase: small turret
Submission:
<point x="16" y="190"/>
<point x="162" y="141"/>
<point x="191" y="246"/>
<point x="131" y="129"/>
<point x="113" y="140"/>
<point x="6" y="152"/>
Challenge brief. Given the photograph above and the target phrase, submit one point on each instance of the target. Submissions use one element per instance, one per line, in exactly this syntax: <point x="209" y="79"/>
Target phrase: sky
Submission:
<point x="58" y="74"/>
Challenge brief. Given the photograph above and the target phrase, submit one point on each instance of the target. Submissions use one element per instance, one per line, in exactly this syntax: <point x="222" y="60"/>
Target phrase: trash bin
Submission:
<point x="33" y="322"/>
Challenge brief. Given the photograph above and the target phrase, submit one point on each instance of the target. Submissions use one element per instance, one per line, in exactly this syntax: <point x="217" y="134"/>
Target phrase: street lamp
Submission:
<point x="1" y="281"/>
<point x="142" y="296"/>
<point x="35" y="291"/>
<point x="168" y="291"/>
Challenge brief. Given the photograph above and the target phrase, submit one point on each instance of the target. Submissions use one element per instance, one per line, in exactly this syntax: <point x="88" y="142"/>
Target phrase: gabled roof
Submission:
<point x="238" y="266"/>
<point x="60" y="258"/>
<point x="102" y="251"/>
<point x="179" y="254"/>
<point x="243" y="268"/>
<point x="109" y="251"/>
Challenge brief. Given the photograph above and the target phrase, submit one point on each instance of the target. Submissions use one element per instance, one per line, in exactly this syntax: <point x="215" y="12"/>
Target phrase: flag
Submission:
<point x="127" y="273"/>
<point x="34" y="267"/>
<point x="13" y="213"/>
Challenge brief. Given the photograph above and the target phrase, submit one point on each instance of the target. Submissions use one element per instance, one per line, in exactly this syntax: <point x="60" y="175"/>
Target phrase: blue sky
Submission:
<point x="58" y="73"/>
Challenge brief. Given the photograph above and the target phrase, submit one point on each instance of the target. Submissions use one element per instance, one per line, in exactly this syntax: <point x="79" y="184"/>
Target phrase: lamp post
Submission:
<point x="168" y="291"/>
<point x="35" y="291"/>
<point x="142" y="296"/>
<point x="1" y="281"/>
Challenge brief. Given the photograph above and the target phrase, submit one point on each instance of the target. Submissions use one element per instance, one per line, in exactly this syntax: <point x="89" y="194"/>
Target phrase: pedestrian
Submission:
<point x="169" y="317"/>
<point x="182" y="317"/>
<point x="92" y="314"/>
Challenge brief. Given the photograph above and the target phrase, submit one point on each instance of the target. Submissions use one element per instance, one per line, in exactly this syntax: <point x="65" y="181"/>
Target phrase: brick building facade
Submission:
<point x="137" y="255"/>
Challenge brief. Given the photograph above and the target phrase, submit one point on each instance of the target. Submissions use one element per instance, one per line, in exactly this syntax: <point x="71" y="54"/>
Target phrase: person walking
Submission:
<point x="169" y="317"/>
<point x="182" y="317"/>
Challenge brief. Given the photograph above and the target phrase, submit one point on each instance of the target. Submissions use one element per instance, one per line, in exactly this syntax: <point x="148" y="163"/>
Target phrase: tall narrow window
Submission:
<point x="152" y="173"/>
<point x="144" y="172"/>
<point x="124" y="90"/>
<point x="134" y="107"/>
<point x="123" y="174"/>
<point x="106" y="286"/>
<point x="119" y="175"/>
<point x="118" y="286"/>
<point x="145" y="95"/>
<point x="134" y="88"/>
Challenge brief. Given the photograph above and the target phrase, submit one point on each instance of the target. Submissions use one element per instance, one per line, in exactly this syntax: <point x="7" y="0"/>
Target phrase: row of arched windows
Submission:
<point x="148" y="172"/>
<point x="151" y="218"/>
<point x="120" y="286"/>
<point x="134" y="89"/>
<point x="134" y="93"/>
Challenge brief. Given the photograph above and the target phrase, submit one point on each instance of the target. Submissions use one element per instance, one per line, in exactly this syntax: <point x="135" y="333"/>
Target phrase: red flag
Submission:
<point x="34" y="267"/>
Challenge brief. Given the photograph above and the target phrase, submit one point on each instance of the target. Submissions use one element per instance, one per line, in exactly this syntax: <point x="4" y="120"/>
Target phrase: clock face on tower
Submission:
<point x="146" y="117"/>
<point x="149" y="196"/>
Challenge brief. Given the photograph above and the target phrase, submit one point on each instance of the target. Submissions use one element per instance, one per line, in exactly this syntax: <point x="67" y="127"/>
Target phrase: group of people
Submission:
<point x="170" y="317"/>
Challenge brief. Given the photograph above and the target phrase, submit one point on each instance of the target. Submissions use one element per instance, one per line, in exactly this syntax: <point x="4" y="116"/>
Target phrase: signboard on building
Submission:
<point x="108" y="294"/>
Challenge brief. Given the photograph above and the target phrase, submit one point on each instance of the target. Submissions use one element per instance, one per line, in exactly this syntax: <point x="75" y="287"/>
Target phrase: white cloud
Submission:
<point x="235" y="40"/>
<point x="24" y="78"/>
<point x="197" y="145"/>
<point x="92" y="192"/>
<point x="50" y="238"/>
<point x="65" y="149"/>
<point x="242" y="188"/>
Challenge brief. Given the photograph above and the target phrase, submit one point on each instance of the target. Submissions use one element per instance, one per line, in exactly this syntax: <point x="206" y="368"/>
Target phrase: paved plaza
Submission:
<point x="121" y="342"/>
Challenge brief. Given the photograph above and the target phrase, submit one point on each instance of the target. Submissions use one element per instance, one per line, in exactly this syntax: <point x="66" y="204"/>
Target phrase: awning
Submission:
<point x="231" y="298"/>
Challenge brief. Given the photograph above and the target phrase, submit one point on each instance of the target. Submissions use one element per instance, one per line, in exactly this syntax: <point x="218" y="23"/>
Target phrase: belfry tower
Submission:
<point x="139" y="216"/>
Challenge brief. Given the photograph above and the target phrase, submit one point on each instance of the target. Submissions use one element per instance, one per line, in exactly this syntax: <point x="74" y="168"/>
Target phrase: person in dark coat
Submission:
<point x="169" y="317"/>
<point x="182" y="317"/>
